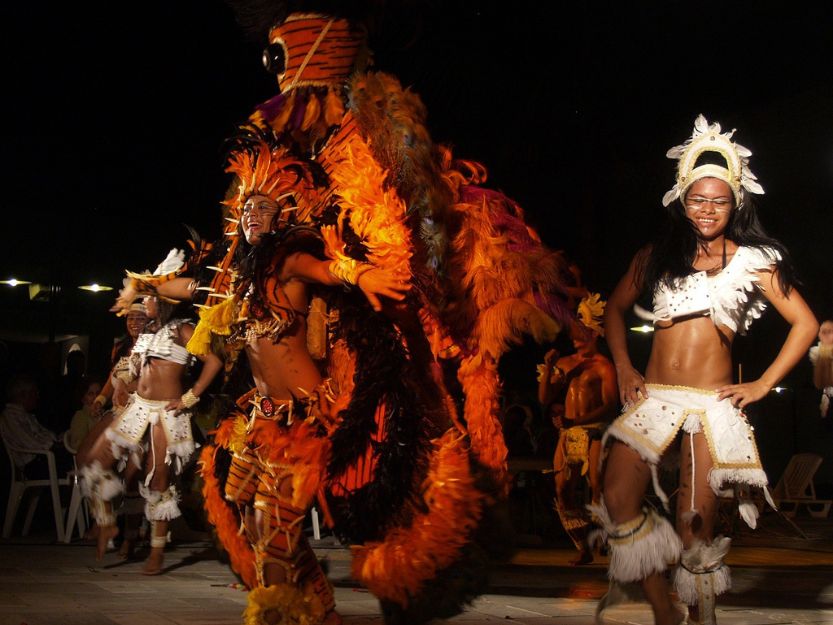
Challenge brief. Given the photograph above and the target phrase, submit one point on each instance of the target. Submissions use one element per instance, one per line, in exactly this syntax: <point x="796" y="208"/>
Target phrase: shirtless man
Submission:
<point x="588" y="382"/>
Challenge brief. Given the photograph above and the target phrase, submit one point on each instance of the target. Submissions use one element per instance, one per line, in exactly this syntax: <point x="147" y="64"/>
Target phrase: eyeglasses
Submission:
<point x="720" y="204"/>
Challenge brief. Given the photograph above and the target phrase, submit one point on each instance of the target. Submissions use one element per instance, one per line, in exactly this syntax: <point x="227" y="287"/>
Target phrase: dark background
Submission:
<point x="114" y="116"/>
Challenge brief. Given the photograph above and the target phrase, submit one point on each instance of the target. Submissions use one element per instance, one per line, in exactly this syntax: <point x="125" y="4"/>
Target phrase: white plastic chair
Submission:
<point x="77" y="511"/>
<point x="796" y="487"/>
<point x="316" y="526"/>
<point x="20" y="483"/>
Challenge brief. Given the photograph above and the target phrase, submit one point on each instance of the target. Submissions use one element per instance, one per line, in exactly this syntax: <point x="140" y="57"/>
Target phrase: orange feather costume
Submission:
<point x="408" y="473"/>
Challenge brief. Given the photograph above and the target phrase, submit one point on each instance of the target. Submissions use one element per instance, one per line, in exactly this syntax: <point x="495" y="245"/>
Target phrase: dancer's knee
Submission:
<point x="640" y="546"/>
<point x="623" y="501"/>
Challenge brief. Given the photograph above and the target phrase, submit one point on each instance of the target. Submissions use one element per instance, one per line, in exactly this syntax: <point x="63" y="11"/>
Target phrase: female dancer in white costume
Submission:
<point x="711" y="274"/>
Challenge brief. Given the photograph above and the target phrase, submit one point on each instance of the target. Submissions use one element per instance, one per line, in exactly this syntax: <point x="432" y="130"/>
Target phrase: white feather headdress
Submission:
<point x="708" y="138"/>
<point x="173" y="262"/>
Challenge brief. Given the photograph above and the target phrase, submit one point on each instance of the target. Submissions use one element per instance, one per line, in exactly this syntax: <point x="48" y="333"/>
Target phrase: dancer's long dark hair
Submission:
<point x="671" y="256"/>
<point x="167" y="312"/>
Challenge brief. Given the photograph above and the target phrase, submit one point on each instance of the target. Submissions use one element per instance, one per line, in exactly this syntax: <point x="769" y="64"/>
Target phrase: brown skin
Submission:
<point x="285" y="370"/>
<point x="691" y="352"/>
<point x="823" y="365"/>
<point x="135" y="323"/>
<point x="158" y="380"/>
<point x="826" y="333"/>
<point x="161" y="380"/>
<point x="590" y="384"/>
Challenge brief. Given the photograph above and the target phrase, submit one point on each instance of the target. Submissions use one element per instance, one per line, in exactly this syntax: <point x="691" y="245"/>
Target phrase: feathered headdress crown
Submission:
<point x="262" y="170"/>
<point x="147" y="283"/>
<point x="173" y="262"/>
<point x="708" y="138"/>
<point x="591" y="310"/>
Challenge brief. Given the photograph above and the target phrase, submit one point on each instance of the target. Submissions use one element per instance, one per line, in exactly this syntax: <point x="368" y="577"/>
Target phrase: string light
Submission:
<point x="95" y="287"/>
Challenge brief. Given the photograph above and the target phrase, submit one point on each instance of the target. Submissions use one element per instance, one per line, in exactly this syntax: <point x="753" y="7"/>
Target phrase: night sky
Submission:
<point x="113" y="124"/>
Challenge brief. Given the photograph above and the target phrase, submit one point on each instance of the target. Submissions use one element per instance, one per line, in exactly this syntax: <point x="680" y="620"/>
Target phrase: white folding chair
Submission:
<point x="77" y="511"/>
<point x="20" y="484"/>
<point x="316" y="526"/>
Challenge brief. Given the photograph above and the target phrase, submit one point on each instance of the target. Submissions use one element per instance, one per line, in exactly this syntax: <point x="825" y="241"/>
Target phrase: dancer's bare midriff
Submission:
<point x="692" y="352"/>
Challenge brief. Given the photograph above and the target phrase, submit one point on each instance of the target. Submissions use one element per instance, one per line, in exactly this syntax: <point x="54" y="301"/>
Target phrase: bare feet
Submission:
<point x="584" y="557"/>
<point x="126" y="550"/>
<point x="674" y="616"/>
<point x="106" y="533"/>
<point x="92" y="532"/>
<point x="154" y="563"/>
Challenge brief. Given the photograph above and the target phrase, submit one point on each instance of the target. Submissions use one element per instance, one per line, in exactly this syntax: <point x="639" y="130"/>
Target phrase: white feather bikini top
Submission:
<point x="731" y="297"/>
<point x="161" y="344"/>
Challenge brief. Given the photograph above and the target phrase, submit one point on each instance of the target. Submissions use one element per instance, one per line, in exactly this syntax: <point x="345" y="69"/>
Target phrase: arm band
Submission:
<point x="348" y="270"/>
<point x="189" y="399"/>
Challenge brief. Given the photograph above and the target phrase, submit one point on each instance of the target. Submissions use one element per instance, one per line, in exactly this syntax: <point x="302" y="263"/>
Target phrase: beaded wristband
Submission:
<point x="189" y="399"/>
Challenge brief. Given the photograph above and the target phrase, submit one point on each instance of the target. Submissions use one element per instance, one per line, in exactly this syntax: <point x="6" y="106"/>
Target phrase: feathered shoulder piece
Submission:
<point x="709" y="138"/>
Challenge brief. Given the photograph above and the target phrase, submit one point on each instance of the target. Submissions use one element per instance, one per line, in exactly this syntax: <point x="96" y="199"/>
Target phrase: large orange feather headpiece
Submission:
<point x="263" y="170"/>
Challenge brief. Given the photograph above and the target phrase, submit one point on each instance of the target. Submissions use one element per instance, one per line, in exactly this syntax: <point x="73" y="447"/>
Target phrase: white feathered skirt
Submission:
<point x="650" y="426"/>
<point x="127" y="431"/>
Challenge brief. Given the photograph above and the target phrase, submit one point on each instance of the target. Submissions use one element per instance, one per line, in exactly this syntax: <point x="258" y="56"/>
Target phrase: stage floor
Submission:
<point x="779" y="577"/>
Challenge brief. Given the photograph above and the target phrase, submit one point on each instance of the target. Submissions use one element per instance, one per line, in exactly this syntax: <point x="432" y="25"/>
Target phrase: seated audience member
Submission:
<point x="84" y="419"/>
<point x="19" y="428"/>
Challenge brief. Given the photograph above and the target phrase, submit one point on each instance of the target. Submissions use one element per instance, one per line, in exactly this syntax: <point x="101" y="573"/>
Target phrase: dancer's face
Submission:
<point x="709" y="203"/>
<point x="583" y="339"/>
<point x="826" y="333"/>
<point x="152" y="307"/>
<point x="136" y="322"/>
<point x="259" y="213"/>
